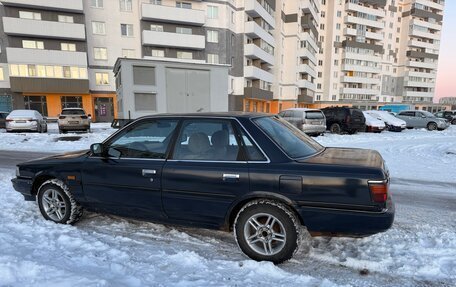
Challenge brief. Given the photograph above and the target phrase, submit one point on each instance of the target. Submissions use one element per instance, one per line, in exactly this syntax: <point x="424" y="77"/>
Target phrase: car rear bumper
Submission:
<point x="313" y="129"/>
<point x="32" y="126"/>
<point x="327" y="221"/>
<point x="374" y="129"/>
<point x="24" y="186"/>
<point x="74" y="128"/>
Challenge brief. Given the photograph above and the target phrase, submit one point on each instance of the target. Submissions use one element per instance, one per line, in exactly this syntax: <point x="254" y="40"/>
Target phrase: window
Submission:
<point x="146" y="102"/>
<point x="66" y="72"/>
<point x="185" y="5"/>
<point x="40" y="71"/>
<point x="29" y="44"/>
<point x="183" y="30"/>
<point x="100" y="53"/>
<point x="29" y="15"/>
<point x="158" y="28"/>
<point x="213" y="58"/>
<point x="143" y="75"/>
<point x="98" y="28"/>
<point x="71" y="102"/>
<point x="252" y="151"/>
<point x="212" y="12"/>
<point x="156" y="2"/>
<point x="126" y="5"/>
<point x="102" y="78"/>
<point x="96" y="3"/>
<point x="339" y="14"/>
<point x="66" y="19"/>
<point x="148" y="139"/>
<point x="128" y="53"/>
<point x="37" y="103"/>
<point x="212" y="36"/>
<point x="158" y="53"/>
<point x="213" y="140"/>
<point x="126" y="30"/>
<point x="184" y="55"/>
<point x="2" y="77"/>
<point x="289" y="138"/>
<point x="68" y="47"/>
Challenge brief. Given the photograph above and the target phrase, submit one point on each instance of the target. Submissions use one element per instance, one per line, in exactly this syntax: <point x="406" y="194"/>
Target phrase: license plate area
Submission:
<point x="73" y="122"/>
<point x="21" y="122"/>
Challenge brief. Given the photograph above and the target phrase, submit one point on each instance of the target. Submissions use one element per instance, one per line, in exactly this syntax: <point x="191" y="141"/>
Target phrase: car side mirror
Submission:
<point x="97" y="149"/>
<point x="423" y="116"/>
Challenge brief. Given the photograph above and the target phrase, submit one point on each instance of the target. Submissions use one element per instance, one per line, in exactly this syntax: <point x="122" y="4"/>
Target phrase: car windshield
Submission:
<point x="290" y="139"/>
<point x="314" y="115"/>
<point x="73" y="112"/>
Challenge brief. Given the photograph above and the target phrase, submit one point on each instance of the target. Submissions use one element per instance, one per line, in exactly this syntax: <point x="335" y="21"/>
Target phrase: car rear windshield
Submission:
<point x="314" y="115"/>
<point x="73" y="112"/>
<point x="290" y="139"/>
<point x="356" y="113"/>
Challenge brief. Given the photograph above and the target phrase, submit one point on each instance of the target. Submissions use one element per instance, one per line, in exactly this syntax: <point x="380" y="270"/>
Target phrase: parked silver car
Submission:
<point x="73" y="119"/>
<point x="25" y="120"/>
<point x="310" y="121"/>
<point x="422" y="119"/>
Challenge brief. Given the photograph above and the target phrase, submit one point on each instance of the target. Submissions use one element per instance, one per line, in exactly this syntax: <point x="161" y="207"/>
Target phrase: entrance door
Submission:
<point x="104" y="109"/>
<point x="6" y="104"/>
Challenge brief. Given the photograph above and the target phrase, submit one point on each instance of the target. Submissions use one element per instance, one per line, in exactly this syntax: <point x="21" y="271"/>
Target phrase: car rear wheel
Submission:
<point x="267" y="230"/>
<point x="335" y="129"/>
<point x="453" y="122"/>
<point x="432" y="126"/>
<point x="56" y="203"/>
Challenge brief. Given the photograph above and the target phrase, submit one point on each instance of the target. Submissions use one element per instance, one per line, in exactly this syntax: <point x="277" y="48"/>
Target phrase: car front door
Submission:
<point x="421" y="120"/>
<point x="205" y="173"/>
<point x="126" y="181"/>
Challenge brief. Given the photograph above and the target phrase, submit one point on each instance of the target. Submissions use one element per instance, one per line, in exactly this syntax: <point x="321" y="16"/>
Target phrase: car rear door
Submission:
<point x="205" y="172"/>
<point x="127" y="180"/>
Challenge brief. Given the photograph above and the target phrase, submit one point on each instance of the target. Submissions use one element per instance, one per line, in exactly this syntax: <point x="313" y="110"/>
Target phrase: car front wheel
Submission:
<point x="432" y="126"/>
<point x="56" y="203"/>
<point x="335" y="129"/>
<point x="266" y="230"/>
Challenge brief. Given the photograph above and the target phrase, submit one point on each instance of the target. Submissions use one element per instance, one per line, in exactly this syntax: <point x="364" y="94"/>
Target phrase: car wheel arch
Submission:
<point x="40" y="178"/>
<point x="240" y="203"/>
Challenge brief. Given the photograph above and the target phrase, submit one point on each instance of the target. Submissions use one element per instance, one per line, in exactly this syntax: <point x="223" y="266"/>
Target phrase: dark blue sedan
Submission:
<point x="254" y="174"/>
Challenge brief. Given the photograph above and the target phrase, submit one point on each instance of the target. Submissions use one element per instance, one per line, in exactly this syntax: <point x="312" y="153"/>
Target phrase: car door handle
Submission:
<point x="148" y="172"/>
<point x="230" y="177"/>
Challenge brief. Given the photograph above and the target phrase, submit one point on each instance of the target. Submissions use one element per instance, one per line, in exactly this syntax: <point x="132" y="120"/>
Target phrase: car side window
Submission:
<point x="207" y="140"/>
<point x="252" y="151"/>
<point x="149" y="139"/>
<point x="408" y="114"/>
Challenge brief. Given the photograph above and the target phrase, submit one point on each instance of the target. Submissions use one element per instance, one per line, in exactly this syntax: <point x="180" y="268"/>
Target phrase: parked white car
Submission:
<point x="392" y="123"/>
<point x="25" y="120"/>
<point x="373" y="124"/>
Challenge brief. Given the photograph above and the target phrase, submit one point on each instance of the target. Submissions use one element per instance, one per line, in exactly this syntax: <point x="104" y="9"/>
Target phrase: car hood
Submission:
<point x="64" y="156"/>
<point x="347" y="157"/>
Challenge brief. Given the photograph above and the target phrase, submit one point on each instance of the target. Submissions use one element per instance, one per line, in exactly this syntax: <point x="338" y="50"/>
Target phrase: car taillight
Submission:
<point x="84" y="117"/>
<point x="62" y="117"/>
<point x="9" y="120"/>
<point x="379" y="190"/>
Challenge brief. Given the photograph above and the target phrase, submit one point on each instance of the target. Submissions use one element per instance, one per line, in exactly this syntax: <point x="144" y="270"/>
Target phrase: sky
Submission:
<point x="446" y="73"/>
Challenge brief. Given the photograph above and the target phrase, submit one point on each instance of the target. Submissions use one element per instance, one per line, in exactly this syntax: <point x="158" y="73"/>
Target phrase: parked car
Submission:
<point x="448" y="115"/>
<point x="73" y="119"/>
<point x="3" y="116"/>
<point x="310" y="121"/>
<point x="344" y="120"/>
<point x="373" y="124"/>
<point x="26" y="120"/>
<point x="423" y="119"/>
<point x="255" y="174"/>
<point x="392" y="123"/>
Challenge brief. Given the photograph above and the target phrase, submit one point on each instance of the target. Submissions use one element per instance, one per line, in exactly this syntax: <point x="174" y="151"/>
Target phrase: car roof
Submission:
<point x="212" y="115"/>
<point x="302" y="109"/>
<point x="23" y="112"/>
<point x="72" y="109"/>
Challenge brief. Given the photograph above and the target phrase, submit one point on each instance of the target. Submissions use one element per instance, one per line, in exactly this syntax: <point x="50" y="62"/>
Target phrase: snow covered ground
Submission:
<point x="419" y="250"/>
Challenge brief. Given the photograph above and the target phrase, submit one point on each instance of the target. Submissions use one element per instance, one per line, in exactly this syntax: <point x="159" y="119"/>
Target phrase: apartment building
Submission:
<point x="283" y="53"/>
<point x="378" y="51"/>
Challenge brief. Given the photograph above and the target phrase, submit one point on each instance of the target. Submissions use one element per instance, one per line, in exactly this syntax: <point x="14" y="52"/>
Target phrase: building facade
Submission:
<point x="283" y="53"/>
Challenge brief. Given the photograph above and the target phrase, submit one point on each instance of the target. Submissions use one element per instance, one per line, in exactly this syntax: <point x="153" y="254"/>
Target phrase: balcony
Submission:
<point x="305" y="84"/>
<point x="361" y="80"/>
<point x="360" y="91"/>
<point x="421" y="55"/>
<point x="369" y="35"/>
<point x="362" y="57"/>
<point x="363" y="9"/>
<point x="254" y="9"/>
<point x="421" y="44"/>
<point x="306" y="54"/>
<point x="430" y="3"/>
<point x="425" y="65"/>
<point x="172" y="14"/>
<point x="433" y="26"/>
<point x="365" y="69"/>
<point x="166" y="39"/>
<point x="74" y="6"/>
<point x="257" y="93"/>
<point x="49" y="85"/>
<point x="418" y="94"/>
<point x="307" y="69"/>
<point x="252" y="72"/>
<point x="306" y="98"/>
<point x="46" y="57"/>
<point x="419" y="84"/>
<point x="421" y="74"/>
<point x="362" y="21"/>
<point x="427" y="35"/>
<point x="255" y="52"/>
<point x="43" y="29"/>
<point x="253" y="30"/>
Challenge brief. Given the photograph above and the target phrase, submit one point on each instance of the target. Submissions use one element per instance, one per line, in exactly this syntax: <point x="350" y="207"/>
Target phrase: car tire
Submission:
<point x="432" y="126"/>
<point x="335" y="129"/>
<point x="267" y="230"/>
<point x="57" y="204"/>
<point x="453" y="122"/>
